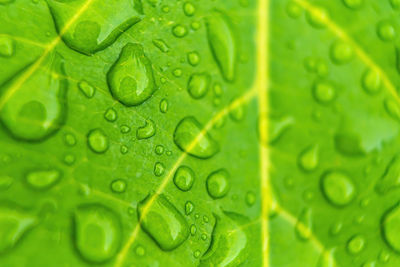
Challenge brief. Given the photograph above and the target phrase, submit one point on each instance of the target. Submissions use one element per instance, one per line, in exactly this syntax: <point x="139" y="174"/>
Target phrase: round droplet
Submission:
<point x="179" y="31"/>
<point x="189" y="9"/>
<point x="317" y="17"/>
<point x="69" y="159"/>
<point x="217" y="183"/>
<point x="386" y="31"/>
<point x="250" y="198"/>
<point x="110" y="115"/>
<point x="195" y="25"/>
<point x="124" y="149"/>
<point x="125" y="129"/>
<point x="308" y="158"/>
<point x="140" y="251"/>
<point x="159" y="169"/>
<point x="341" y="52"/>
<point x="293" y="9"/>
<point x="237" y="112"/>
<point x="118" y="186"/>
<point x="159" y="149"/>
<point x="197" y="253"/>
<point x="184" y="178"/>
<point x="391" y="227"/>
<point x="371" y="81"/>
<point x="177" y="72"/>
<point x="43" y="179"/>
<point x="203" y="236"/>
<point x="356" y="244"/>
<point x="337" y="188"/>
<point x="198" y="85"/>
<point x="164" y="105"/>
<point x="324" y="92"/>
<point x="69" y="139"/>
<point x="193" y="58"/>
<point x="353" y="4"/>
<point x="189" y="207"/>
<point x="97" y="141"/>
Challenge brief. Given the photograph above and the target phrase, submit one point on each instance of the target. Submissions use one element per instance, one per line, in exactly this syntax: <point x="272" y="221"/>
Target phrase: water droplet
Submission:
<point x="384" y="256"/>
<point x="160" y="44"/>
<point x="356" y="244"/>
<point x="184" y="178"/>
<point x="69" y="159"/>
<point x="140" y="251"/>
<point x="338" y="188"/>
<point x="125" y="129"/>
<point x="162" y="222"/>
<point x="179" y="31"/>
<point x="197" y="253"/>
<point x="146" y="131"/>
<point x="390" y="178"/>
<point x="42" y="179"/>
<point x="6" y="46"/>
<point x="34" y="108"/>
<point x="203" y="236"/>
<point x="371" y="81"/>
<point x="164" y="105"/>
<point x="69" y="139"/>
<point x="193" y="58"/>
<point x="317" y="17"/>
<point x="229" y="245"/>
<point x="391" y="227"/>
<point x="97" y="27"/>
<point x="131" y="78"/>
<point x="205" y="219"/>
<point x="369" y="264"/>
<point x="193" y="229"/>
<point x="177" y="72"/>
<point x="304" y="225"/>
<point x="195" y="25"/>
<point x="124" y="149"/>
<point x="237" y="113"/>
<point x="97" y="232"/>
<point x="218" y="183"/>
<point x="341" y="52"/>
<point x="118" y="186"/>
<point x="159" y="169"/>
<point x="14" y="224"/>
<point x="86" y="88"/>
<point x="97" y="141"/>
<point x="327" y="259"/>
<point x="190" y="137"/>
<point x="198" y="85"/>
<point x="159" y="149"/>
<point x="386" y="31"/>
<point x="353" y="4"/>
<point x="308" y="158"/>
<point x="222" y="43"/>
<point x="189" y="9"/>
<point x="111" y="115"/>
<point x="189" y="207"/>
<point x="293" y="9"/>
<point x="5" y="182"/>
<point x="324" y="92"/>
<point x="250" y="198"/>
<point x="277" y="128"/>
<point x="392" y="108"/>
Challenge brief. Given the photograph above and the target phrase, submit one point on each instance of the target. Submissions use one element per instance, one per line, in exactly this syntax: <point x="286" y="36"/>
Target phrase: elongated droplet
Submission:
<point x="43" y="179"/>
<point x="34" y="108"/>
<point x="391" y="177"/>
<point x="86" y="88"/>
<point x="222" y="43"/>
<point x="96" y="27"/>
<point x="131" y="78"/>
<point x="303" y="226"/>
<point x="160" y="44"/>
<point x="97" y="232"/>
<point x="14" y="223"/>
<point x="162" y="222"/>
<point x="308" y="159"/>
<point x="338" y="188"/>
<point x="229" y="242"/>
<point x="190" y="137"/>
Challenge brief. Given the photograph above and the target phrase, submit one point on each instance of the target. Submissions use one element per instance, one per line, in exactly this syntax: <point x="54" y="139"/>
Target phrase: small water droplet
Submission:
<point x="386" y="31"/>
<point x="193" y="229"/>
<point x="5" y="182"/>
<point x="179" y="31"/>
<point x="237" y="113"/>
<point x="197" y="253"/>
<point x="69" y="159"/>
<point x="353" y="4"/>
<point x="198" y="85"/>
<point x="42" y="179"/>
<point x="125" y="129"/>
<point x="336" y="228"/>
<point x="341" y="52"/>
<point x="86" y="88"/>
<point x="160" y="44"/>
<point x="195" y="25"/>
<point x="184" y="178"/>
<point x="111" y="115"/>
<point x="293" y="9"/>
<point x="193" y="58"/>
<point x="69" y="139"/>
<point x="308" y="158"/>
<point x="218" y="183"/>
<point x="338" y="188"/>
<point x="317" y="17"/>
<point x="356" y="244"/>
<point x="384" y="256"/>
<point x="177" y="72"/>
<point x="371" y="81"/>
<point x="118" y="186"/>
<point x="250" y="198"/>
<point x="146" y="131"/>
<point x="164" y="105"/>
<point x="392" y="108"/>
<point x="159" y="169"/>
<point x="188" y="9"/>
<point x="277" y="128"/>
<point x="6" y="46"/>
<point x="159" y="149"/>
<point x="97" y="141"/>
<point x="189" y="207"/>
<point x="324" y="92"/>
<point x="124" y="149"/>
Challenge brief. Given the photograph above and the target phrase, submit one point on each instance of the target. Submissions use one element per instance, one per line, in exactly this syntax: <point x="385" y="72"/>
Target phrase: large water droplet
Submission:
<point x="189" y="9"/>
<point x="198" y="85"/>
<point x="14" y="223"/>
<point x="162" y="221"/>
<point x="229" y="242"/>
<point x="303" y="225"/>
<point x="190" y="137"/>
<point x="96" y="27"/>
<point x="97" y="232"/>
<point x="222" y="43"/>
<point x="97" y="141"/>
<point x="131" y="78"/>
<point x="218" y="183"/>
<point x="36" y="108"/>
<point x="179" y="31"/>
<point x="184" y="178"/>
<point x="43" y="179"/>
<point x="391" y="177"/>
<point x="338" y="188"/>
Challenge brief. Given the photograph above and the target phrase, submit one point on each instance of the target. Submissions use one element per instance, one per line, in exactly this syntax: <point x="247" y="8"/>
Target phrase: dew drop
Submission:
<point x="338" y="188"/>
<point x="86" y="88"/>
<point x="124" y="149"/>
<point x="386" y="31"/>
<point x="324" y="92"/>
<point x="6" y="46"/>
<point x="371" y="81"/>
<point x="218" y="183"/>
<point x="42" y="179"/>
<point x="97" y="141"/>
<point x="69" y="139"/>
<point x="250" y="198"/>
<point x="197" y="253"/>
<point x="308" y="158"/>
<point x="356" y="244"/>
<point x="189" y="207"/>
<point x="237" y="113"/>
<point x="111" y="115"/>
<point x="184" y="178"/>
<point x="341" y="52"/>
<point x="317" y="18"/>
<point x="193" y="229"/>
<point x="391" y="227"/>
<point x="188" y="9"/>
<point x="304" y="225"/>
<point x="293" y="9"/>
<point x="160" y="44"/>
<point x="190" y="137"/>
<point x="353" y="4"/>
<point x="5" y="182"/>
<point x="177" y="72"/>
<point x="159" y="169"/>
<point x="179" y="31"/>
<point x="222" y="43"/>
<point x="193" y="58"/>
<point x="162" y="222"/>
<point x="146" y="131"/>
<point x="159" y="149"/>
<point x="118" y="186"/>
<point x="198" y="85"/>
<point x="164" y="105"/>
<point x="34" y="108"/>
<point x="277" y="128"/>
<point x="97" y="232"/>
<point x="69" y="159"/>
<point x="131" y="78"/>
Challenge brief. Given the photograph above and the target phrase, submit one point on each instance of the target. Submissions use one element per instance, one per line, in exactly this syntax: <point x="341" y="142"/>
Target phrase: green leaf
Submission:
<point x="199" y="133"/>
